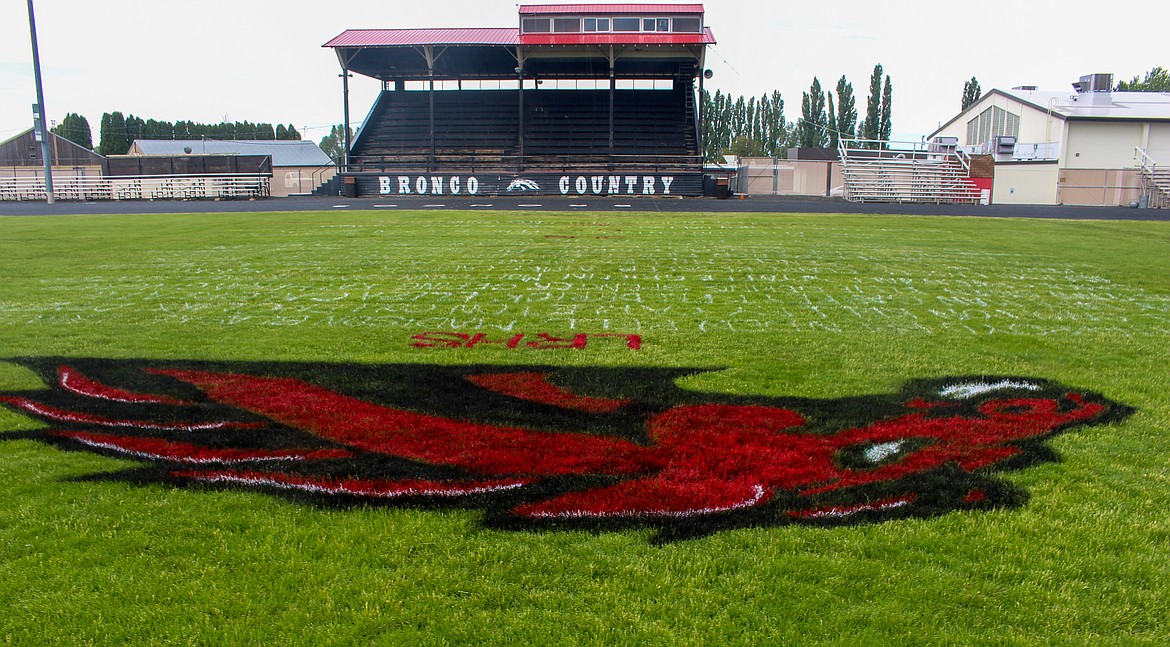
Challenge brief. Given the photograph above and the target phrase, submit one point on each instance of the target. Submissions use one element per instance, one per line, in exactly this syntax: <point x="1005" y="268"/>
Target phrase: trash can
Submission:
<point x="723" y="188"/>
<point x="349" y="186"/>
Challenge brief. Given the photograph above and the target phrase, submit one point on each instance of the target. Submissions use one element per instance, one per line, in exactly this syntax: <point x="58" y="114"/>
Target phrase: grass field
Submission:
<point x="782" y="305"/>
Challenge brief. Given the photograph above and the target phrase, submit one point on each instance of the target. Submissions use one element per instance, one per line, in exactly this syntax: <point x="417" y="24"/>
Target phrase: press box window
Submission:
<point x="656" y="24"/>
<point x="567" y="25"/>
<point x="627" y="24"/>
<point x="687" y="25"/>
<point x="597" y="24"/>
<point x="536" y="25"/>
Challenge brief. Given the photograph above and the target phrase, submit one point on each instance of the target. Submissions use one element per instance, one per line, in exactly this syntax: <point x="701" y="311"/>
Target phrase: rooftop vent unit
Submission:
<point x="1094" y="83"/>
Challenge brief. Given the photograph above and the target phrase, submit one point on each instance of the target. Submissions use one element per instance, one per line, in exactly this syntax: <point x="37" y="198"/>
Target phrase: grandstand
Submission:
<point x="577" y="99"/>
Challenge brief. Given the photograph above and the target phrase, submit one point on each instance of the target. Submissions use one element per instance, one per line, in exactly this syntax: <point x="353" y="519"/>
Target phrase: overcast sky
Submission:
<point x="263" y="62"/>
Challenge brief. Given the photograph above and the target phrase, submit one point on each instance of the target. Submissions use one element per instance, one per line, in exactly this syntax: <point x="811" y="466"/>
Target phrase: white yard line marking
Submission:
<point x="530" y="205"/>
<point x="623" y="206"/>
<point x="433" y="206"/>
<point x="483" y="205"/>
<point x="385" y="206"/>
<point x="341" y="206"/>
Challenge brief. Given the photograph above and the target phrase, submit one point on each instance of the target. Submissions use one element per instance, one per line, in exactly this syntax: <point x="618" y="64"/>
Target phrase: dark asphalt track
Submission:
<point x="754" y="204"/>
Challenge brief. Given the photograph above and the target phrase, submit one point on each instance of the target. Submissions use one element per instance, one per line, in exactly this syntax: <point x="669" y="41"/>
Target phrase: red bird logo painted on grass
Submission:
<point x="560" y="446"/>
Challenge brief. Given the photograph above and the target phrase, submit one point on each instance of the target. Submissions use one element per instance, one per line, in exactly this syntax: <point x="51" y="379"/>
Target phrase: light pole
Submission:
<point x="39" y="114"/>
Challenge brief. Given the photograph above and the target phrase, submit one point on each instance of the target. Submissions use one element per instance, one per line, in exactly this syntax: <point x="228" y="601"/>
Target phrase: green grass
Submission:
<point x="816" y="306"/>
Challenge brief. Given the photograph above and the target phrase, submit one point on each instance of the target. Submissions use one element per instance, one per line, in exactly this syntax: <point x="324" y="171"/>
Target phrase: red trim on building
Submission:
<point x="643" y="38"/>
<point x="421" y="37"/>
<point x="609" y="9"/>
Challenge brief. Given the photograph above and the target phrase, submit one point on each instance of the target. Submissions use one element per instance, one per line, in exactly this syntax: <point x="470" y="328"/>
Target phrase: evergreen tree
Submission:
<point x="971" y="92"/>
<point x="812" y="117"/>
<point x="1157" y="80"/>
<point x="333" y="144"/>
<point x="871" y="128"/>
<point x="834" y="136"/>
<point x="886" y="127"/>
<point x="76" y="129"/>
<point x="292" y="134"/>
<point x="281" y="132"/>
<point x="846" y="110"/>
<point x="113" y="134"/>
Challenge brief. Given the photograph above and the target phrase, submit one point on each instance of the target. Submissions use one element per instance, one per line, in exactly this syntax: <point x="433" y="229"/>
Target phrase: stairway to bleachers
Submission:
<point x="906" y="172"/>
<point x="481" y="128"/>
<point x="1155" y="181"/>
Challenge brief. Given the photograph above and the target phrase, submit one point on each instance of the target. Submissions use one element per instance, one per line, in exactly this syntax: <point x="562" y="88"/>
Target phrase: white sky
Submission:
<point x="241" y="60"/>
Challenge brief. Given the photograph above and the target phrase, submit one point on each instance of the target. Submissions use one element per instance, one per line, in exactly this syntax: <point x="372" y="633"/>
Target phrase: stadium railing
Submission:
<point x="139" y="187"/>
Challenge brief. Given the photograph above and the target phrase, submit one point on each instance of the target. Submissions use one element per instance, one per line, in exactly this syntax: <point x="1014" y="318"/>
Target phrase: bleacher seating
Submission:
<point x="481" y="128"/>
<point x="912" y="172"/>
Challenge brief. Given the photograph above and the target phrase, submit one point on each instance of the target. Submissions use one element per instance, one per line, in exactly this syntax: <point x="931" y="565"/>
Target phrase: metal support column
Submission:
<point x="40" y="116"/>
<point x="612" y="91"/>
<point x="345" y="101"/>
<point x="520" y="77"/>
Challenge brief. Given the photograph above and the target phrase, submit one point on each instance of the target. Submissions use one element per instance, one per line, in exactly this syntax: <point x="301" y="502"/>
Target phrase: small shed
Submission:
<point x="20" y="156"/>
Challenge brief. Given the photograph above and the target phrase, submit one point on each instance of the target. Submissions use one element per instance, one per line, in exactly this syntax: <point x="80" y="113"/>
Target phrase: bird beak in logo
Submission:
<point x="562" y="446"/>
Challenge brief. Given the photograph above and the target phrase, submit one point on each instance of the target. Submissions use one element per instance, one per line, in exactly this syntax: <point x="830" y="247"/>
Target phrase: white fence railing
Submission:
<point x="138" y="187"/>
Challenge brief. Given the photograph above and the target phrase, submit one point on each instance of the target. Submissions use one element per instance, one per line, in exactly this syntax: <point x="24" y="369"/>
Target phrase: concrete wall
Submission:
<point x="1026" y="183"/>
<point x="291" y="180"/>
<point x="1098" y="187"/>
<point x="766" y="176"/>
<point x="1102" y="144"/>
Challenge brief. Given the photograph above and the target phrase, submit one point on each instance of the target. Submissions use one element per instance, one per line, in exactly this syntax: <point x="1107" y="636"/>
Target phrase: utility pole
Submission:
<point x="39" y="120"/>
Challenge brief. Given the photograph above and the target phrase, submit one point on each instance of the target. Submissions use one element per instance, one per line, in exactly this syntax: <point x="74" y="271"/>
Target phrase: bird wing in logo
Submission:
<point x="523" y="185"/>
<point x="559" y="444"/>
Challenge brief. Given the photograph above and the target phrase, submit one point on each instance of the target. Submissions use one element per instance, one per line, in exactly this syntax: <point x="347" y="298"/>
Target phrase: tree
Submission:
<point x="1157" y="80"/>
<point x="281" y="132"/>
<point x="292" y="134"/>
<point x="971" y="92"/>
<point x="76" y="129"/>
<point x="333" y="144"/>
<point x="113" y="134"/>
<point x="811" y="129"/>
<point x="846" y="124"/>
<point x="870" y="129"/>
<point x="886" y="126"/>
<point x="834" y="136"/>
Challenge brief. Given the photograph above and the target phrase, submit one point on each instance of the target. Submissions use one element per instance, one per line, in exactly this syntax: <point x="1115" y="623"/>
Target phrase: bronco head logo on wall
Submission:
<point x="545" y="447"/>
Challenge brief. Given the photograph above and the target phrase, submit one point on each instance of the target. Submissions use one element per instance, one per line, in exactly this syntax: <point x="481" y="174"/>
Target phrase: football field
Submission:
<point x="610" y="428"/>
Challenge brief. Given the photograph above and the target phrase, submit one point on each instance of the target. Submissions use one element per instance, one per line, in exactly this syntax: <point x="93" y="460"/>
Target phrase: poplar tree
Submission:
<point x="834" y="136"/>
<point x="846" y="110"/>
<point x="886" y="127"/>
<point x="971" y="92"/>
<point x="871" y="128"/>
<point x="812" y="120"/>
<point x="76" y="129"/>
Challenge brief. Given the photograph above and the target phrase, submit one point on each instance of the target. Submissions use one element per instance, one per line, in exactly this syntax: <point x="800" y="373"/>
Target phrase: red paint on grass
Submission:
<point x="535" y="387"/>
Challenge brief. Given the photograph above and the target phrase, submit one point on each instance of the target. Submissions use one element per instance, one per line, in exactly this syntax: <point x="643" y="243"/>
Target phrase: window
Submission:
<point x="663" y="24"/>
<point x="688" y="25"/>
<point x="993" y="122"/>
<point x="647" y="24"/>
<point x="627" y="24"/>
<point x="536" y="25"/>
<point x="596" y="24"/>
<point x="567" y="25"/>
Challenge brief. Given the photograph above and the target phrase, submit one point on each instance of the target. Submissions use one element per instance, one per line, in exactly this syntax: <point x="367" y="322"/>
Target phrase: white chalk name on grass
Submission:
<point x="783" y="288"/>
<point x="969" y="390"/>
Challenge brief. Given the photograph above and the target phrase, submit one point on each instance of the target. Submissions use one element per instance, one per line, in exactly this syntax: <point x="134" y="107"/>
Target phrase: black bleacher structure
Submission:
<point x="482" y="128"/>
<point x="423" y="137"/>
